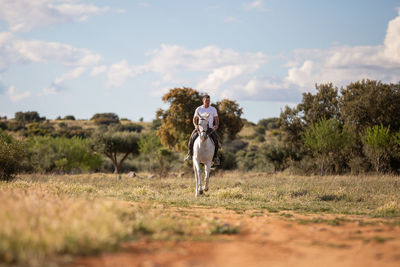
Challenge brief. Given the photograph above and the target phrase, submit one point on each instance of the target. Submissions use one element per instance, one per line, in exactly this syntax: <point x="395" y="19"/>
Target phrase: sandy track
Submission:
<point x="270" y="239"/>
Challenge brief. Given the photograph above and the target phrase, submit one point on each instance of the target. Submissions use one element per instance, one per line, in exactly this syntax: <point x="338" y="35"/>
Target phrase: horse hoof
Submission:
<point x="201" y="192"/>
<point x="206" y="189"/>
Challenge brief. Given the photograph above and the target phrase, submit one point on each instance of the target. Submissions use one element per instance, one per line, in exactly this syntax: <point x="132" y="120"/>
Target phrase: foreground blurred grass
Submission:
<point x="43" y="215"/>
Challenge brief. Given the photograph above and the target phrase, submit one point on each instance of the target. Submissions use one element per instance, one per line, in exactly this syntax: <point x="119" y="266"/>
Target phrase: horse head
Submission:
<point x="203" y="126"/>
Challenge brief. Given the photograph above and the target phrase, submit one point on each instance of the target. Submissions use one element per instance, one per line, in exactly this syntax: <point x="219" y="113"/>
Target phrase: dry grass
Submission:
<point x="43" y="216"/>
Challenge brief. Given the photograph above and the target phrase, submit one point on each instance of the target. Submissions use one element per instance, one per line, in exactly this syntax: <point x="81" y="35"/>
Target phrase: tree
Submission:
<point x="105" y="118"/>
<point x="326" y="140"/>
<point x="176" y="122"/>
<point x="367" y="103"/>
<point x="151" y="146"/>
<point x="379" y="146"/>
<point x="47" y="154"/>
<point x="11" y="154"/>
<point x="28" y="117"/>
<point x="229" y="114"/>
<point x="117" y="146"/>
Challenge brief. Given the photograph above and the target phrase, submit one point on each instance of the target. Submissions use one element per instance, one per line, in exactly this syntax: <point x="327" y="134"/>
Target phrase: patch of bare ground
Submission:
<point x="268" y="239"/>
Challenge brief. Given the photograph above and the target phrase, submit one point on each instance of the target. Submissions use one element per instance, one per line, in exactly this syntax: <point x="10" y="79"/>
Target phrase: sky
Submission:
<point x="80" y="57"/>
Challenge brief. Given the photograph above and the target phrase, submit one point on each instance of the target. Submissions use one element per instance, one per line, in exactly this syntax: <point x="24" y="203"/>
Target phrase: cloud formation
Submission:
<point x="209" y="68"/>
<point x="14" y="51"/>
<point x="15" y="96"/>
<point x="26" y="15"/>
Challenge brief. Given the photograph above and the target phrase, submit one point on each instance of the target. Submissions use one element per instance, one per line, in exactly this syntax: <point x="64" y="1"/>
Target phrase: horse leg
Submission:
<point x="207" y="170"/>
<point x="197" y="176"/>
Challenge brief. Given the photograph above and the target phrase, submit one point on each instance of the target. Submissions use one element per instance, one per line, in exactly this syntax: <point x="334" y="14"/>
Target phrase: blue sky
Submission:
<point x="78" y="57"/>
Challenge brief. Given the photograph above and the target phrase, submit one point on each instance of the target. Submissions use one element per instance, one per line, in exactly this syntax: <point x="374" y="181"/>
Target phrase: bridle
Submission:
<point x="204" y="131"/>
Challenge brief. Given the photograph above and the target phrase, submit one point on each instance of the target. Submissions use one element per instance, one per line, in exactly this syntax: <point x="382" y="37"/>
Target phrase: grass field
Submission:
<point x="45" y="217"/>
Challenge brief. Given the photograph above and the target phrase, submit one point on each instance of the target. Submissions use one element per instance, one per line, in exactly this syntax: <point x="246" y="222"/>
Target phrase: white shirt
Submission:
<point x="210" y="110"/>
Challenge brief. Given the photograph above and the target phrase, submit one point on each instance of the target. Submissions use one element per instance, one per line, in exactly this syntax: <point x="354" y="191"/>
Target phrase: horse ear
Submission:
<point x="207" y="115"/>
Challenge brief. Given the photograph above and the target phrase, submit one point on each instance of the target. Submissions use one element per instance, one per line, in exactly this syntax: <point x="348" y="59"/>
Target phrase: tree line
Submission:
<point x="351" y="129"/>
<point x="331" y="131"/>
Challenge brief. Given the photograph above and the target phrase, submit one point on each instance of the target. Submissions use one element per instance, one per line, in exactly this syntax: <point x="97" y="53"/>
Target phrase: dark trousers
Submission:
<point x="213" y="136"/>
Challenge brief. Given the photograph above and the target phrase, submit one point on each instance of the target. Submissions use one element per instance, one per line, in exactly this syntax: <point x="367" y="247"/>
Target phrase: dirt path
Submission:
<point x="270" y="239"/>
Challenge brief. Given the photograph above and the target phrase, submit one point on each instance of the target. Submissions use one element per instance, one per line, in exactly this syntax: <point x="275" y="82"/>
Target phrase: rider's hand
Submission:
<point x="215" y="127"/>
<point x="197" y="127"/>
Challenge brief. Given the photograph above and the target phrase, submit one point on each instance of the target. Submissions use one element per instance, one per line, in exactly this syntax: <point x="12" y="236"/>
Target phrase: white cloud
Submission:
<point x="15" y="96"/>
<point x="25" y="15"/>
<point x="98" y="70"/>
<point x="119" y="72"/>
<point x="231" y="19"/>
<point x="143" y="4"/>
<point x="342" y="65"/>
<point x="219" y="76"/>
<point x="209" y="67"/>
<point x="256" y="5"/>
<point x="72" y="74"/>
<point x="14" y="51"/>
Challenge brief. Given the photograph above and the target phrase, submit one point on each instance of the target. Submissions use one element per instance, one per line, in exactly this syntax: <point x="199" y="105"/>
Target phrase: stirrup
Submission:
<point x="188" y="157"/>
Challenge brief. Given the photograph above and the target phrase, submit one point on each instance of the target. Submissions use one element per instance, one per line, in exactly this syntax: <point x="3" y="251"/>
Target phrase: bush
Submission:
<point x="105" y="118"/>
<point x="47" y="154"/>
<point x="3" y="125"/>
<point x="378" y="146"/>
<point x="28" y="117"/>
<point x="41" y="129"/>
<point x="277" y="155"/>
<point x="69" y="117"/>
<point x="228" y="160"/>
<point x="326" y="140"/>
<point x="130" y="127"/>
<point x="11" y="155"/>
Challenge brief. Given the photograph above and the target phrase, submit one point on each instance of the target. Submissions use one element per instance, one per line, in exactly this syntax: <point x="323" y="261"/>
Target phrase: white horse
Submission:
<point x="203" y="152"/>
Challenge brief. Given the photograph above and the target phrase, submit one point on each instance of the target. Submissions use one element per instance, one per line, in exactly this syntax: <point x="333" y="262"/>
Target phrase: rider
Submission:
<point x="205" y="108"/>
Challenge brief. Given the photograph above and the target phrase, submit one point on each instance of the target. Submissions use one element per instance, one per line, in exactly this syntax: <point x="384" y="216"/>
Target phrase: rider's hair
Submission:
<point x="206" y="96"/>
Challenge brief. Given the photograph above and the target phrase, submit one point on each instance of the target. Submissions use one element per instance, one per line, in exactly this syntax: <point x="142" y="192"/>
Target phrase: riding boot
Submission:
<point x="215" y="157"/>
<point x="193" y="137"/>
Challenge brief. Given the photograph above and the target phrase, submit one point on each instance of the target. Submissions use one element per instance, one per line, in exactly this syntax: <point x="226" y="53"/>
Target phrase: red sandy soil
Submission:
<point x="269" y="239"/>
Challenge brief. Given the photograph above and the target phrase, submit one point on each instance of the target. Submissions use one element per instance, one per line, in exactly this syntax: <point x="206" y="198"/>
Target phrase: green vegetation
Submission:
<point x="47" y="154"/>
<point x="11" y="154"/>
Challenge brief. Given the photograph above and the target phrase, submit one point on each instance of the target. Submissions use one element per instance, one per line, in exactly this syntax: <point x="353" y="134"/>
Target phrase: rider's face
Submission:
<point x="206" y="102"/>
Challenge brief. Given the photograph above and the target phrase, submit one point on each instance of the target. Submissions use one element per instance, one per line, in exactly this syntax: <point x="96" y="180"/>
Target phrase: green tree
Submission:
<point x="158" y="156"/>
<point x="11" y="154"/>
<point x="326" y="140"/>
<point x="47" y="154"/>
<point x="116" y="146"/>
<point x="379" y="146"/>
<point x="367" y="103"/>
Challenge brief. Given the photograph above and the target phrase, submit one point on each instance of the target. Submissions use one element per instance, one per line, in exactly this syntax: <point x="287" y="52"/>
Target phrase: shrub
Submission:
<point x="277" y="155"/>
<point x="228" y="160"/>
<point x="130" y="127"/>
<point x="28" y="117"/>
<point x="105" y="118"/>
<point x="11" y="155"/>
<point x="326" y="140"/>
<point x="41" y="129"/>
<point x="47" y="154"/>
<point x="3" y="125"/>
<point x="378" y="145"/>
<point x="69" y="117"/>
